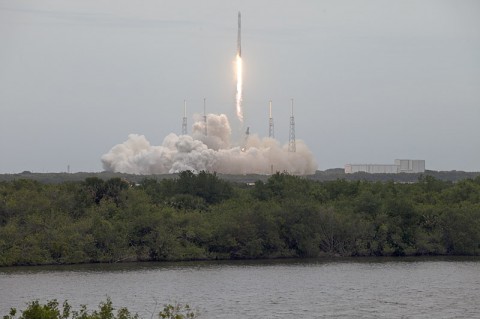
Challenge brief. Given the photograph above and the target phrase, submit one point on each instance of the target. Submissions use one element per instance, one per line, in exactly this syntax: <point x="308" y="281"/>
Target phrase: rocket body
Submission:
<point x="239" y="37"/>
<point x="238" y="72"/>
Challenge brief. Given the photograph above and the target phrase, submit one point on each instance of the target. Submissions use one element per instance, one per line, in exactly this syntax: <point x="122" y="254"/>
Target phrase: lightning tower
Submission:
<point x="271" y="132"/>
<point x="205" y="114"/>
<point x="184" y="122"/>
<point x="291" y="138"/>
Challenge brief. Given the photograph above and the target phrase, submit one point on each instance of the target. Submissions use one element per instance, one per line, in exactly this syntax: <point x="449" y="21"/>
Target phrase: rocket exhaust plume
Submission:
<point x="199" y="151"/>
<point x="238" y="72"/>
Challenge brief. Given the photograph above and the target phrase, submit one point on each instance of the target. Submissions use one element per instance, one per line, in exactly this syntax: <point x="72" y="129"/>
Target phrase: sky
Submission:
<point x="372" y="81"/>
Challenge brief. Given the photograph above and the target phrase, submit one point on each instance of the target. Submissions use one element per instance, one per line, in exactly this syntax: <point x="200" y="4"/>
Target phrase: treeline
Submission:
<point x="200" y="216"/>
<point x="321" y="176"/>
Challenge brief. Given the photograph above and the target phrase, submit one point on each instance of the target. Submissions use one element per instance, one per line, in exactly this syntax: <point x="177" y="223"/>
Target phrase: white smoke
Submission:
<point x="212" y="153"/>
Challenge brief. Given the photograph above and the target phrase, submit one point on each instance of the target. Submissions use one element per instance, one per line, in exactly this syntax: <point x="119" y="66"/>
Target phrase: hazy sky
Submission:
<point x="372" y="80"/>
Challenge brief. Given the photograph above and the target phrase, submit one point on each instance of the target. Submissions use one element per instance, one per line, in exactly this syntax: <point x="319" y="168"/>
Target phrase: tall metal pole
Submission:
<point x="205" y="114"/>
<point x="271" y="132"/>
<point x="184" y="123"/>
<point x="291" y="139"/>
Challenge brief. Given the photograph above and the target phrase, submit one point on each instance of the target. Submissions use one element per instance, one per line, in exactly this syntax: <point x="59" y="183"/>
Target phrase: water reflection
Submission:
<point x="345" y="287"/>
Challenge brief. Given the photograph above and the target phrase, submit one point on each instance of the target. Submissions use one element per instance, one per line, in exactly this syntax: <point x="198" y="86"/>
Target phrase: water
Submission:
<point x="321" y="288"/>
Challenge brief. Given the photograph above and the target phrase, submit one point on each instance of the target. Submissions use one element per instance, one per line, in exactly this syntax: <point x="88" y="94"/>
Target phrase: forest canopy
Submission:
<point x="201" y="216"/>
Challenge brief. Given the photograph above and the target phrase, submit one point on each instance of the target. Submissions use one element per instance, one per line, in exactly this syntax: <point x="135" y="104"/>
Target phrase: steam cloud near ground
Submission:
<point x="214" y="153"/>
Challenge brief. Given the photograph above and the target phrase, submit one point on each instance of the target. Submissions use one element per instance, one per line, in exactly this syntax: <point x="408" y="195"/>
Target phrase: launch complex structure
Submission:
<point x="271" y="128"/>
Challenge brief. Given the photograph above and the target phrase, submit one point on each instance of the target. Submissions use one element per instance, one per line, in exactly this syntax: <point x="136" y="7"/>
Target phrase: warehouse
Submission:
<point x="399" y="166"/>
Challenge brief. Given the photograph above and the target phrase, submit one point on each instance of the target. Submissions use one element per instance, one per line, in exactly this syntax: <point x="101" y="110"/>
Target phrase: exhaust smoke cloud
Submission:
<point x="209" y="147"/>
<point x="214" y="153"/>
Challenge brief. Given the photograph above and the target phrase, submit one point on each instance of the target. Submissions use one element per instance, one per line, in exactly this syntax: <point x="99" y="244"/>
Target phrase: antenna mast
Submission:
<point x="184" y="122"/>
<point x="291" y="139"/>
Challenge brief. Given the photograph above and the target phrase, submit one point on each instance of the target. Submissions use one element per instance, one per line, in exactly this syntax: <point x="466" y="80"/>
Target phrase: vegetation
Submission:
<point x="52" y="310"/>
<point x="322" y="176"/>
<point x="200" y="216"/>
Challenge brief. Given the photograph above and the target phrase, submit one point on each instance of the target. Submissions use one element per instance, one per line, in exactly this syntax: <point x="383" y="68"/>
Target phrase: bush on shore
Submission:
<point x="53" y="310"/>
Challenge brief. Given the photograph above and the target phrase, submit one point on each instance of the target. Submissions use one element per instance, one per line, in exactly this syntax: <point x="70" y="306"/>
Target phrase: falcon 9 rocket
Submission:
<point x="239" y="37"/>
<point x="238" y="69"/>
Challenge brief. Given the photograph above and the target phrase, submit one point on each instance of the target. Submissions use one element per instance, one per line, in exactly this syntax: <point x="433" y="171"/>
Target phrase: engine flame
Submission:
<point x="238" y="98"/>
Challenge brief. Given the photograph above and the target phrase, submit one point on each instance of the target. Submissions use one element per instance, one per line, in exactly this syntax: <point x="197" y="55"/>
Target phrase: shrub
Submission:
<point x="51" y="310"/>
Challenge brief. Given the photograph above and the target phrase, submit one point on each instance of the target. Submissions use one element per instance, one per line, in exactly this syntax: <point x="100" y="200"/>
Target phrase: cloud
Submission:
<point x="212" y="152"/>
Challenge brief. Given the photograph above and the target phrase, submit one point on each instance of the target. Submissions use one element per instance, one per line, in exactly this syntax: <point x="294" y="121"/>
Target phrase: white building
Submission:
<point x="400" y="166"/>
<point x="410" y="166"/>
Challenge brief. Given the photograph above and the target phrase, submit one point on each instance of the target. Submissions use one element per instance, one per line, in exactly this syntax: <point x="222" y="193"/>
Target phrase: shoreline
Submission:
<point x="253" y="261"/>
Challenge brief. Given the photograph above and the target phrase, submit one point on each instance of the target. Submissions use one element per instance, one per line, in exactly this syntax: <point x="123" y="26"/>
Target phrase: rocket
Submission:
<point x="239" y="37"/>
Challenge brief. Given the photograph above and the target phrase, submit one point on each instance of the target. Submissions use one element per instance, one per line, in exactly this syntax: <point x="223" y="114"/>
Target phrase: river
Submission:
<point x="320" y="288"/>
